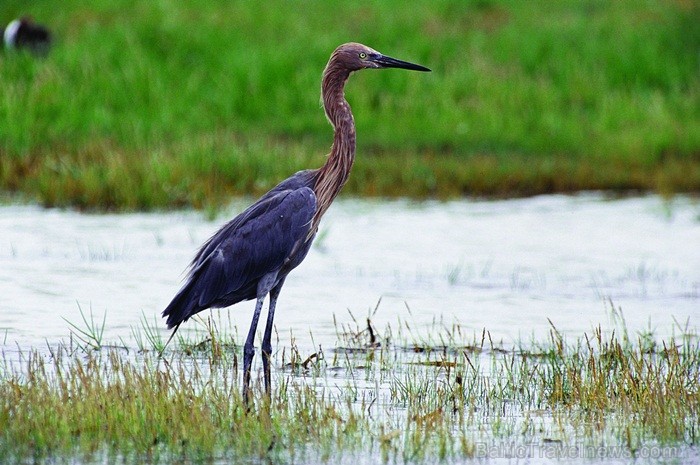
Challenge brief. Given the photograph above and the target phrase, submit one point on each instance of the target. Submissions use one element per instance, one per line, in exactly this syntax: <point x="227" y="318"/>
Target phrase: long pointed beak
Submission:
<point x="388" y="62"/>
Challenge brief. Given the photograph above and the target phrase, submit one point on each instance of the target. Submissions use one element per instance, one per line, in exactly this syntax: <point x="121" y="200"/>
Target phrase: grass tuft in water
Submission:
<point x="91" y="333"/>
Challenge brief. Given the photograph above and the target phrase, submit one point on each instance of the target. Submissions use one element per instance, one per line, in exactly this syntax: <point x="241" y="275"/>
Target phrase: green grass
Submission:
<point x="144" y="105"/>
<point x="381" y="395"/>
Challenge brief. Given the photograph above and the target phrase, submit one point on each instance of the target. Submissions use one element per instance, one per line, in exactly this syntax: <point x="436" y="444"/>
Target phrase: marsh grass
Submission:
<point x="144" y="105"/>
<point x="89" y="333"/>
<point x="386" y="395"/>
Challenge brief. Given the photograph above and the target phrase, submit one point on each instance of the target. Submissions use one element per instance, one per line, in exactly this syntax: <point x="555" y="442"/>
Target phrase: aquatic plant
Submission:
<point x="387" y="394"/>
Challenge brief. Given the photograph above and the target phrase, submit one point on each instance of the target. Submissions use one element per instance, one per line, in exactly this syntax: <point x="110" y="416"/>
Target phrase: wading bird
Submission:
<point x="250" y="256"/>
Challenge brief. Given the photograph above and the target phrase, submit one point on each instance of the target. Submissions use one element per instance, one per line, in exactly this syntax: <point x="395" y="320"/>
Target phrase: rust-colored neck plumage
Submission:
<point x="331" y="177"/>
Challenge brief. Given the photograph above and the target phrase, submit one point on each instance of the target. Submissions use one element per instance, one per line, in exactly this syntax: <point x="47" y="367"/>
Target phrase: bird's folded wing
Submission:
<point x="260" y="243"/>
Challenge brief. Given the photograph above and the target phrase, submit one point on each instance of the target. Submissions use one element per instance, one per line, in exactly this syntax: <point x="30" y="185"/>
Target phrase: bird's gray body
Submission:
<point x="272" y="236"/>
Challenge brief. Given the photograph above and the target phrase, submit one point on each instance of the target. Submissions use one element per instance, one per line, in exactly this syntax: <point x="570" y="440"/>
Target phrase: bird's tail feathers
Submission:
<point x="182" y="307"/>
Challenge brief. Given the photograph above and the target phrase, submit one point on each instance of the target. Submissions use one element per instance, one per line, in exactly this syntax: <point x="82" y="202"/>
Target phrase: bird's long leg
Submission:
<point x="249" y="348"/>
<point x="264" y="286"/>
<point x="267" y="344"/>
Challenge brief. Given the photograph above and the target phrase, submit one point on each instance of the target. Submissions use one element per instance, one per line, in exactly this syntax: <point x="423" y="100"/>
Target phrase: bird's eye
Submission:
<point x="363" y="55"/>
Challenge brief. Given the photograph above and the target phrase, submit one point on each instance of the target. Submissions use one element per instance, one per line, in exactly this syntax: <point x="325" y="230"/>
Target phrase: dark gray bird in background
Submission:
<point x="250" y="256"/>
<point x="24" y="33"/>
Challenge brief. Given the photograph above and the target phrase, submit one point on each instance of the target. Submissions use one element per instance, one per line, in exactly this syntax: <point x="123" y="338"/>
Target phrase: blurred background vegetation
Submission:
<point x="164" y="104"/>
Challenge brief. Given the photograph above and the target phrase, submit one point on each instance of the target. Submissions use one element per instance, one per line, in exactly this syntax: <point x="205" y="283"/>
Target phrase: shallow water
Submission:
<point x="507" y="266"/>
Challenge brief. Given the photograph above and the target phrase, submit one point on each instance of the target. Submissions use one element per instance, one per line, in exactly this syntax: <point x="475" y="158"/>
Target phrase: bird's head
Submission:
<point x="354" y="57"/>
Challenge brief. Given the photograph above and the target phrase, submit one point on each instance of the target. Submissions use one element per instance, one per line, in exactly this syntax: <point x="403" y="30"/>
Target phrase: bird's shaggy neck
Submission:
<point x="331" y="177"/>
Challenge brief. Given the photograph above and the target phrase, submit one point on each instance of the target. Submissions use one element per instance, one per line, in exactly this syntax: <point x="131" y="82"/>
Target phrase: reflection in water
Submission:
<point x="506" y="266"/>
